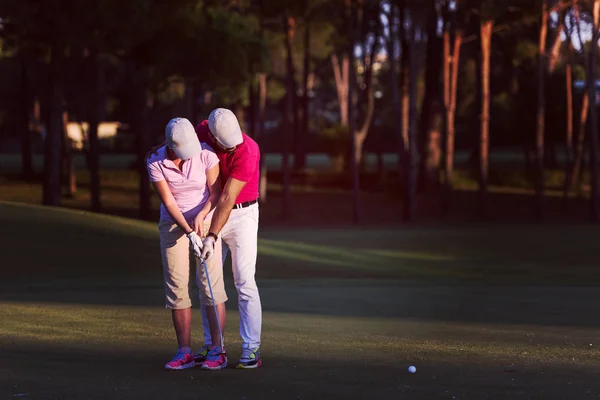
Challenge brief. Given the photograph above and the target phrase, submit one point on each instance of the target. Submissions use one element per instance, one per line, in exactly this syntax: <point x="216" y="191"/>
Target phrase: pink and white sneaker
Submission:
<point x="215" y="359"/>
<point x="182" y="360"/>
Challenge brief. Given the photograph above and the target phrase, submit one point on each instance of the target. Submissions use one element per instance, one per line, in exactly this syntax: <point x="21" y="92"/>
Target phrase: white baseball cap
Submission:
<point x="225" y="127"/>
<point x="182" y="139"/>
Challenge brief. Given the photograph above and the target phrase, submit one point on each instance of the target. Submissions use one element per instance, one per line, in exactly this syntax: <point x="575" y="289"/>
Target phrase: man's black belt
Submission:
<point x="245" y="204"/>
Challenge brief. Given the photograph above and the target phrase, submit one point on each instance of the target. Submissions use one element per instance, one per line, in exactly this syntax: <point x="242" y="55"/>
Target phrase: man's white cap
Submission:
<point x="225" y="127"/>
<point x="182" y="139"/>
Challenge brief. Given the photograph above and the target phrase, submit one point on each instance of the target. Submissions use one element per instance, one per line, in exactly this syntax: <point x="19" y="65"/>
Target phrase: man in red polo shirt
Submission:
<point x="235" y="219"/>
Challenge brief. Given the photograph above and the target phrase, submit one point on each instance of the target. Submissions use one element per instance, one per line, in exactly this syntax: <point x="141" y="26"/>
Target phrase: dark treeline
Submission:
<point x="420" y="79"/>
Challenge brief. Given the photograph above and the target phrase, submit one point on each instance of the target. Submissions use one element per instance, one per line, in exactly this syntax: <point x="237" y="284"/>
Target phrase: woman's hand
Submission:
<point x="198" y="224"/>
<point x="195" y="244"/>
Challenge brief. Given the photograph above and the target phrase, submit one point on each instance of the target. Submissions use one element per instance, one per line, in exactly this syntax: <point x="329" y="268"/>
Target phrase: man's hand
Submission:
<point x="198" y="224"/>
<point x="208" y="247"/>
<point x="195" y="244"/>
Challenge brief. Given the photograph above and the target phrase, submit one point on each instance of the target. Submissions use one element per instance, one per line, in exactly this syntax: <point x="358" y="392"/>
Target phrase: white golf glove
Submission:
<point x="195" y="244"/>
<point x="208" y="247"/>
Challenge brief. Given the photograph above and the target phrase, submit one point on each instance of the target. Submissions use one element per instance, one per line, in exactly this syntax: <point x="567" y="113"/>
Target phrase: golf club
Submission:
<point x="214" y="305"/>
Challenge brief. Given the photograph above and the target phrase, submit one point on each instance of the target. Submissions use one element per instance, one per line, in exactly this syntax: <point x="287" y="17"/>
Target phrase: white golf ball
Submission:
<point x="412" y="369"/>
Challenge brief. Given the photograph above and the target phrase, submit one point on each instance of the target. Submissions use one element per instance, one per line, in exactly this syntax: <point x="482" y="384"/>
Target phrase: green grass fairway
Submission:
<point x="483" y="312"/>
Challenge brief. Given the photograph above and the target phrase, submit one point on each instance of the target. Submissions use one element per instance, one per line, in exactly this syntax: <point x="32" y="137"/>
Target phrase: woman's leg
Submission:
<point x="206" y="324"/>
<point x="213" y="297"/>
<point x="175" y="258"/>
<point x="182" y="321"/>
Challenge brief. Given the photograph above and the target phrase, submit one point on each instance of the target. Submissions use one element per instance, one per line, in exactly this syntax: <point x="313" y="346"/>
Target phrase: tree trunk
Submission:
<point x="569" y="90"/>
<point x="290" y="114"/>
<point x="25" y="106"/>
<point x="95" y="116"/>
<point x="260" y="130"/>
<point x="431" y="109"/>
<point x="486" y="39"/>
<point x="541" y="113"/>
<point x="361" y="134"/>
<point x="453" y="94"/>
<point x="555" y="52"/>
<point x="579" y="151"/>
<point x="454" y="64"/>
<point x="262" y="105"/>
<point x="577" y="170"/>
<point x="189" y="100"/>
<point x="379" y="155"/>
<point x="448" y="150"/>
<point x="410" y="205"/>
<point x="52" y="145"/>
<point x="591" y="81"/>
<point x="68" y="166"/>
<point x="341" y="83"/>
<point x="404" y="82"/>
<point x="405" y="97"/>
<point x="569" y="137"/>
<point x="141" y="101"/>
<point x="252" y="110"/>
<point x="260" y="119"/>
<point x="300" y="142"/>
<point x="394" y="83"/>
<point x="238" y="110"/>
<point x="446" y="67"/>
<point x="351" y="20"/>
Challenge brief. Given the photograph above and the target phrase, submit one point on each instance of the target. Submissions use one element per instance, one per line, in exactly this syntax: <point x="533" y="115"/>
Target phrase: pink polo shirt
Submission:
<point x="188" y="185"/>
<point x="242" y="164"/>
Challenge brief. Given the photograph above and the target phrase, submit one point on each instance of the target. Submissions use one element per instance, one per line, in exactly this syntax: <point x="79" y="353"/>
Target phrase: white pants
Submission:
<point x="240" y="235"/>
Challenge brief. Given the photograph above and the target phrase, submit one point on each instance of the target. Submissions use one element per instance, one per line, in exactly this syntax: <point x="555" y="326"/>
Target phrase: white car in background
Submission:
<point x="78" y="132"/>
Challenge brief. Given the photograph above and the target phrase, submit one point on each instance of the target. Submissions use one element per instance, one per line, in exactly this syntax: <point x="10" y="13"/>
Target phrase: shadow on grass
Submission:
<point x="444" y="273"/>
<point x="32" y="371"/>
<point x="525" y="305"/>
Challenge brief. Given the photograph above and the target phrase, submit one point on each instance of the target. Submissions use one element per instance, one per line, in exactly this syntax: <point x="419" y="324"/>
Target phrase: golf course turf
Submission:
<point x="482" y="311"/>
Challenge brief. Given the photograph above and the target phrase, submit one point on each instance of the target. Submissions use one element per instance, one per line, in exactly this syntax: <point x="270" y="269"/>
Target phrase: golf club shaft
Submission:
<point x="214" y="305"/>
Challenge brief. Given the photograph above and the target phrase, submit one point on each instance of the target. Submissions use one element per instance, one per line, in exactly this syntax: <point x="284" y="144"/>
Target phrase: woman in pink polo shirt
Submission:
<point x="185" y="175"/>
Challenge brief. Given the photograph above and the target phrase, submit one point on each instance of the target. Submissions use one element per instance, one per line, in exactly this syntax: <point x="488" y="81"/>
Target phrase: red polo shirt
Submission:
<point x="242" y="164"/>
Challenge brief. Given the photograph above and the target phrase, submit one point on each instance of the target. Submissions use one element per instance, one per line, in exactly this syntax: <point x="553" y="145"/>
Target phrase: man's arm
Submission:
<point x="232" y="189"/>
<point x="214" y="187"/>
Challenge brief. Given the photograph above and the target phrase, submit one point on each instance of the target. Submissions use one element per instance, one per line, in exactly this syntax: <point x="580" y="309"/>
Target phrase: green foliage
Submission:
<point x="220" y="46"/>
<point x="173" y="89"/>
<point x="525" y="54"/>
<point x="335" y="140"/>
<point x="275" y="90"/>
<point x="578" y="72"/>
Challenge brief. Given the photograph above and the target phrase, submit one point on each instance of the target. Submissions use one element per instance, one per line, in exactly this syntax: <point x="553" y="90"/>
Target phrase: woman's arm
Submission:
<point x="214" y="188"/>
<point x="166" y="197"/>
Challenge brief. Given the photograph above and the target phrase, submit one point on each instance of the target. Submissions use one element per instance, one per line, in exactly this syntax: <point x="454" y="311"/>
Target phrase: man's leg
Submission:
<point x="215" y="335"/>
<point x="241" y="236"/>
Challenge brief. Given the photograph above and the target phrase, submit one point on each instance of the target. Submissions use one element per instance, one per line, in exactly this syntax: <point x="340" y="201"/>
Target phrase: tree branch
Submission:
<point x="364" y="129"/>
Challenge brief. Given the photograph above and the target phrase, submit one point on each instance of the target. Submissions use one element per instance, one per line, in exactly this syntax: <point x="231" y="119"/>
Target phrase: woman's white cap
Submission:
<point x="182" y="139"/>
<point x="225" y="127"/>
